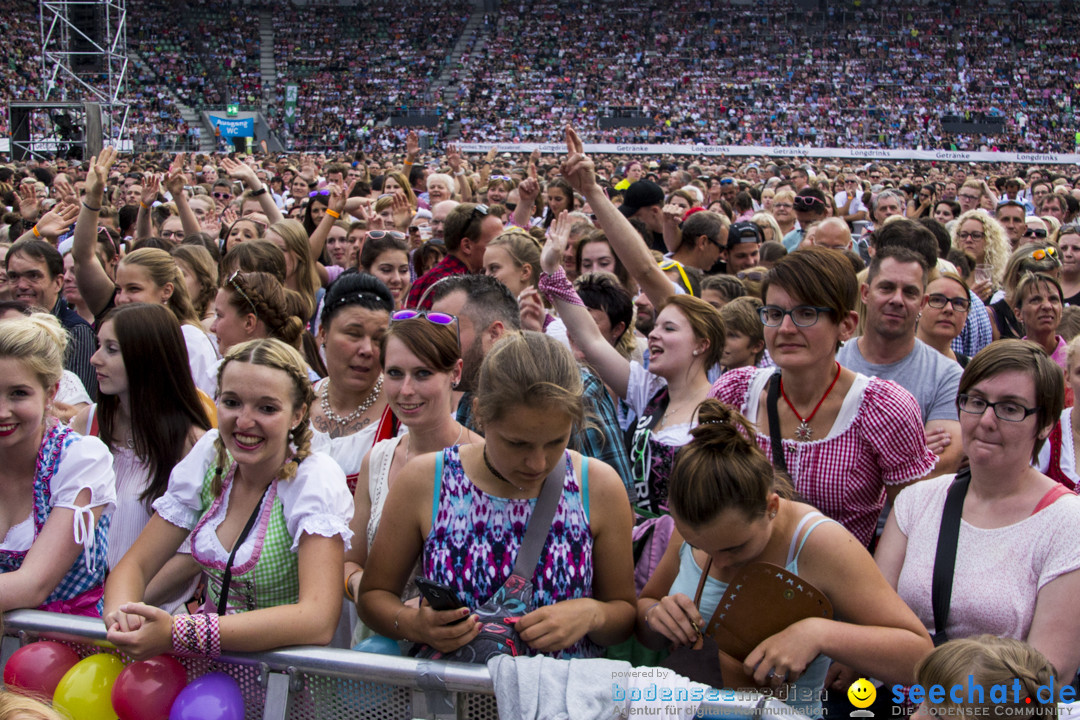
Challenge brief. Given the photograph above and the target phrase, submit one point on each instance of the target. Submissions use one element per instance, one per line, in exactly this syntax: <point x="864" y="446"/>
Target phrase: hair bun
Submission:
<point x="722" y="427"/>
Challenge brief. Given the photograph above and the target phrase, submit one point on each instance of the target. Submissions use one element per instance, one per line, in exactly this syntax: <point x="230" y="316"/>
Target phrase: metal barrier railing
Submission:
<point x="319" y="683"/>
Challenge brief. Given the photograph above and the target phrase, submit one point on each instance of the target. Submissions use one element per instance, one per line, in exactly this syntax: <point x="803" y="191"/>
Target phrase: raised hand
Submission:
<point x="229" y="216"/>
<point x="412" y="146"/>
<point x="558" y="237"/>
<point x="151" y="186"/>
<point x="531" y="310"/>
<point x="29" y="207"/>
<point x="453" y="158"/>
<point x="240" y="171"/>
<point x="578" y="168"/>
<point x="97" y="176"/>
<point x="63" y="191"/>
<point x="56" y="222"/>
<point x="174" y="178"/>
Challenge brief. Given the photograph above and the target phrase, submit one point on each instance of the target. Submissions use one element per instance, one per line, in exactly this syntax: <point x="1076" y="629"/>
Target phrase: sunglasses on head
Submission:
<point x="1043" y="253"/>
<point x="436" y="318"/>
<point x="676" y="265"/>
<point x="481" y="210"/>
<point x="806" y="203"/>
<point x="501" y="177"/>
<point x="316" y="193"/>
<point x="380" y="234"/>
<point x="727" y="181"/>
<point x="235" y="280"/>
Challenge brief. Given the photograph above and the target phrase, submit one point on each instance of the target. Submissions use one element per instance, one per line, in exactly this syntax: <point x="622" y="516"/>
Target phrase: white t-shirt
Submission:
<point x="202" y="357"/>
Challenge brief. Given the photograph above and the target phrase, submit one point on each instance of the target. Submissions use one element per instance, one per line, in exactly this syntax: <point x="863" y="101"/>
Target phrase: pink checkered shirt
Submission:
<point x="845" y="475"/>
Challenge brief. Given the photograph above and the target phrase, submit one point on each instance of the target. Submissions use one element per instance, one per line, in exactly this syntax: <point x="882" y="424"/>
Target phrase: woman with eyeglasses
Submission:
<point x="1069" y="243"/>
<point x="944" y="315"/>
<point x="421" y="360"/>
<point x="982" y="236"/>
<point x="351" y="409"/>
<point x="1008" y="515"/>
<point x="847" y="440"/>
<point x="686" y="341"/>
<point x="783" y="211"/>
<point x="1038" y="257"/>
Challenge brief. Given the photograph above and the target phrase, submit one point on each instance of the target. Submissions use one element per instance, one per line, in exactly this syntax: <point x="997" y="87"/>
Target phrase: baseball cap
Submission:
<point x="744" y="232"/>
<point x="643" y="193"/>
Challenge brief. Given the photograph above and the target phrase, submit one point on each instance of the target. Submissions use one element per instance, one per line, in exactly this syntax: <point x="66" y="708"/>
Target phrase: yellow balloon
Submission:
<point x="85" y="691"/>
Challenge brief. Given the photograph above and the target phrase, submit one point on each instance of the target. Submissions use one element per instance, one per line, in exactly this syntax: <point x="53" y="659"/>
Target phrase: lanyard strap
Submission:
<point x="223" y="600"/>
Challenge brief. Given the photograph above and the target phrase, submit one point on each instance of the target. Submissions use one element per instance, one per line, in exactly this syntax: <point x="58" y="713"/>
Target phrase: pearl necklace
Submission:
<point x="360" y="409"/>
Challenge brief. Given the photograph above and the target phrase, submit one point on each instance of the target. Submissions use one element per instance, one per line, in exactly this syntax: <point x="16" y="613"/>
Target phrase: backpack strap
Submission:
<point x="779" y="461"/>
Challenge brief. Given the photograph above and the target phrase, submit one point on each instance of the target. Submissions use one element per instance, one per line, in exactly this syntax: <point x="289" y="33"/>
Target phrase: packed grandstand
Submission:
<point x="850" y="74"/>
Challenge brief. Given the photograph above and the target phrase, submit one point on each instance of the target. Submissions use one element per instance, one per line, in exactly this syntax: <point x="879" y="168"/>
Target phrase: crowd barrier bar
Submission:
<point x="319" y="683"/>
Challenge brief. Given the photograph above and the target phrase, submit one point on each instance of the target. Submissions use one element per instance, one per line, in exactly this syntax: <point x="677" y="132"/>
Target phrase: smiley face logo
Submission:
<point x="862" y="693"/>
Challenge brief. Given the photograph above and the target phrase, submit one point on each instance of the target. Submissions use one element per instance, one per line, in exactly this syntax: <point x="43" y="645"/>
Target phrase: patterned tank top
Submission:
<point x="474" y="540"/>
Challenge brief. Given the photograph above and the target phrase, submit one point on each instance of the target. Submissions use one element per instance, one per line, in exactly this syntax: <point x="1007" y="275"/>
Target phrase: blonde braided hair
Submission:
<point x="275" y="354"/>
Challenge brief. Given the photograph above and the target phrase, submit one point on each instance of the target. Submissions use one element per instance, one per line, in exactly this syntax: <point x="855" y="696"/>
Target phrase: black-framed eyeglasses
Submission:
<point x="973" y="235"/>
<point x="1035" y="233"/>
<point x="1006" y="410"/>
<point x="801" y="315"/>
<point x="937" y="300"/>
<point x="234" y="280"/>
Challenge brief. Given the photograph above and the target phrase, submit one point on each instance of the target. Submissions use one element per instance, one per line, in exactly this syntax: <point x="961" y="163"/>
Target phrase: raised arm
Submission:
<point x="174" y="183"/>
<point x="527" y="192"/>
<point x="334" y="207"/>
<point x="612" y="367"/>
<point x="454" y="160"/>
<point x="625" y="241"/>
<point x="95" y="285"/>
<point x="243" y="172"/>
<point x="672" y="230"/>
<point x="53" y="224"/>
<point x="143" y="226"/>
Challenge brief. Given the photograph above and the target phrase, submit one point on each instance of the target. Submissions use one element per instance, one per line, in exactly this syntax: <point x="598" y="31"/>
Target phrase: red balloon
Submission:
<point x="146" y="690"/>
<point x="36" y="669"/>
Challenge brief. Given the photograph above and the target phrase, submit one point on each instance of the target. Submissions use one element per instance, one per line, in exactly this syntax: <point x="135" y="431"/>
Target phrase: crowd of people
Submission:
<point x="846" y="76"/>
<point x="248" y="402"/>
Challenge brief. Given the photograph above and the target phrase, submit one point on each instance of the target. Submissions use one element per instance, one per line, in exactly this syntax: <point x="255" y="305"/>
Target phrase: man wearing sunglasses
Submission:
<point x="222" y="194"/>
<point x="704" y="238"/>
<point x="810" y="208"/>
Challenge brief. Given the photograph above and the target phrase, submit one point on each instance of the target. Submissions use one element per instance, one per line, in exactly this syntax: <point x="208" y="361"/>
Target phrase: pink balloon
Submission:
<point x="146" y="690"/>
<point x="36" y="669"/>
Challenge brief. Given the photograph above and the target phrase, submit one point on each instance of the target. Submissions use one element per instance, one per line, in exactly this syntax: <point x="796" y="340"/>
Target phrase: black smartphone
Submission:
<point x="438" y="595"/>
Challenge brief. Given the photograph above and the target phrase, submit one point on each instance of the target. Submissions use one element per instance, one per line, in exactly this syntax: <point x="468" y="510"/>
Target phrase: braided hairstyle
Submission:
<point x="261" y="293"/>
<point x="991" y="661"/>
<point x="275" y="354"/>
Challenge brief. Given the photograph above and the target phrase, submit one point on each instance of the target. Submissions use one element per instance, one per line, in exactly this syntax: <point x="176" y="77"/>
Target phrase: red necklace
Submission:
<point x="804" y="432"/>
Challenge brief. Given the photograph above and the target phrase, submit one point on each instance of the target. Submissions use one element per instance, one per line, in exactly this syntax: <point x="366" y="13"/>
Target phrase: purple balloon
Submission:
<point x="212" y="697"/>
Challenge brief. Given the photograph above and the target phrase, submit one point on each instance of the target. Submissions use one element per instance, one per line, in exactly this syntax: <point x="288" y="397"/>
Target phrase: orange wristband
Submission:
<point x="333" y="213"/>
<point x="35" y="231"/>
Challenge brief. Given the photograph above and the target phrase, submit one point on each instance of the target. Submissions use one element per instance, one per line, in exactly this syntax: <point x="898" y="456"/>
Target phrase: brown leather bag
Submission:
<point x="761" y="600"/>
